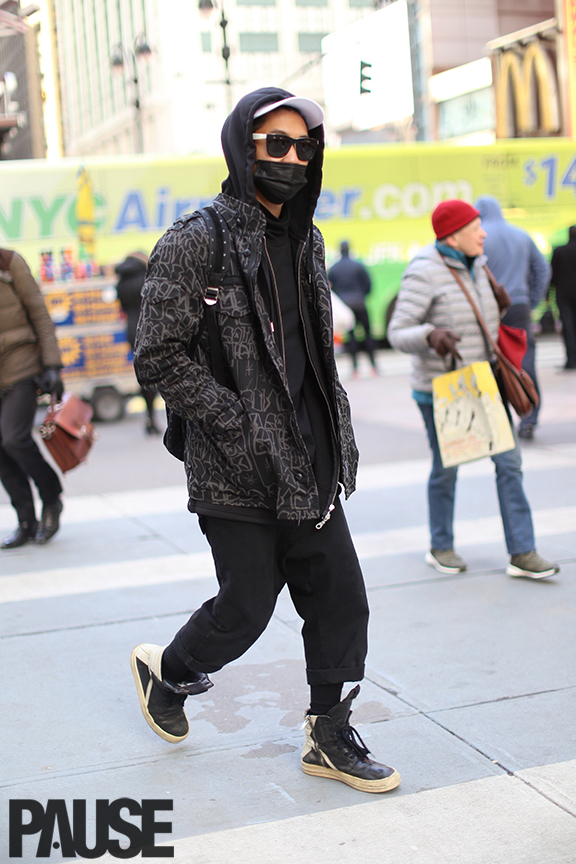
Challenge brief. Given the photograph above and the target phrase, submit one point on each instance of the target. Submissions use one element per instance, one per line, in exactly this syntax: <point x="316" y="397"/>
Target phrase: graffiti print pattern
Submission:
<point x="243" y="444"/>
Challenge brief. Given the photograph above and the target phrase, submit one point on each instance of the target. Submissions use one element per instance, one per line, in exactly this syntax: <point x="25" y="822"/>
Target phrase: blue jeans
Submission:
<point x="514" y="508"/>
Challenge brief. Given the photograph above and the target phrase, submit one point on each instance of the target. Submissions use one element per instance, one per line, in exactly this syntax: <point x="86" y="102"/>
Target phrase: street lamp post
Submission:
<point x="120" y="53"/>
<point x="206" y="7"/>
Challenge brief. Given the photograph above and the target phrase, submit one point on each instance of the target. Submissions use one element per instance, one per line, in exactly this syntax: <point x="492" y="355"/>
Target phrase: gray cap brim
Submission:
<point x="308" y="108"/>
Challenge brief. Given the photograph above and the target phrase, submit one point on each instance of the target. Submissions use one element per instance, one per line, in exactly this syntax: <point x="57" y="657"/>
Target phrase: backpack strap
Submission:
<point x="219" y="265"/>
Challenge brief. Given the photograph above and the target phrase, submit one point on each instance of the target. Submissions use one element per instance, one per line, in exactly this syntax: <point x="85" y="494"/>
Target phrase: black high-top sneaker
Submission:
<point x="334" y="749"/>
<point x="161" y="700"/>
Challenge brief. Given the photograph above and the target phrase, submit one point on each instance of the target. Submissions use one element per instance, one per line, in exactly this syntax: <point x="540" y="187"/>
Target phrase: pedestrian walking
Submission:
<point x="30" y="364"/>
<point x="132" y="273"/>
<point x="564" y="281"/>
<point x="267" y="450"/>
<point x="350" y="280"/>
<point x="517" y="263"/>
<point x="435" y="323"/>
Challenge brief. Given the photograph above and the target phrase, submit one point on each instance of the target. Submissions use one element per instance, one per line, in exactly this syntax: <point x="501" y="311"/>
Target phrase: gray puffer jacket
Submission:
<point x="430" y="297"/>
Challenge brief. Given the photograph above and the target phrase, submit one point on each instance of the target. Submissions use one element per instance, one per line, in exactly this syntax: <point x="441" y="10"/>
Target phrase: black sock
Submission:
<point x="323" y="697"/>
<point x="173" y="668"/>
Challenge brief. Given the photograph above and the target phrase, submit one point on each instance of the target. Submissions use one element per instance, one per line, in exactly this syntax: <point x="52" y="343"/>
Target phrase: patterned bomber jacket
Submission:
<point x="243" y="444"/>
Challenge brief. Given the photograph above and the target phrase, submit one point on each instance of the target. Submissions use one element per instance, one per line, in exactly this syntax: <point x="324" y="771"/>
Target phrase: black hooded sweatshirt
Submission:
<point x="247" y="452"/>
<point x="277" y="280"/>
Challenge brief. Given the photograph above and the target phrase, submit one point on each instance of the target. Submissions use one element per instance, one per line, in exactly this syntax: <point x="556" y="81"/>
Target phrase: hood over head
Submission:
<point x="240" y="153"/>
<point x="134" y="263"/>
<point x="489" y="208"/>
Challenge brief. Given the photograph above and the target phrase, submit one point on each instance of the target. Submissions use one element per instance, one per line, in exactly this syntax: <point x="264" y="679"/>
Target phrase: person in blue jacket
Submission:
<point x="516" y="261"/>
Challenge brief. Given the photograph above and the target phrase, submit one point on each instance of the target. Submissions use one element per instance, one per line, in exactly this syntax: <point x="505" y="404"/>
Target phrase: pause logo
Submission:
<point x="29" y="817"/>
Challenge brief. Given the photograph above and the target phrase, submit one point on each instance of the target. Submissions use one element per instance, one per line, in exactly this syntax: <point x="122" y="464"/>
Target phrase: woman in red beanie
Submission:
<point x="435" y="323"/>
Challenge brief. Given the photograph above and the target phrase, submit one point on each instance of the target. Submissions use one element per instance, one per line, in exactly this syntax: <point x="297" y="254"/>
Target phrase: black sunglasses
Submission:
<point x="278" y="145"/>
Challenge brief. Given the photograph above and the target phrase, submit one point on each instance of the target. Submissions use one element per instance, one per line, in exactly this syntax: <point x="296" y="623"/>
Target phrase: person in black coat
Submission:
<point x="132" y="272"/>
<point x="564" y="280"/>
<point x="269" y="443"/>
<point x="350" y="280"/>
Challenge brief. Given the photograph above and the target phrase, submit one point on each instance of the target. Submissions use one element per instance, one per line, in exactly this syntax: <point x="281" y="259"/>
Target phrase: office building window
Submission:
<point x="310" y="43"/>
<point x="311" y="2"/>
<point x="363" y="3"/>
<point x="206" y="42"/>
<point x="255" y="42"/>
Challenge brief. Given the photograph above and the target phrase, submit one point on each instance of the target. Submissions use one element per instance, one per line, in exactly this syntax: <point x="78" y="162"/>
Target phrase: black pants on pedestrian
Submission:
<point x="361" y="315"/>
<point x="253" y="563"/>
<point x="567" y="310"/>
<point x="20" y="458"/>
<point x="518" y="315"/>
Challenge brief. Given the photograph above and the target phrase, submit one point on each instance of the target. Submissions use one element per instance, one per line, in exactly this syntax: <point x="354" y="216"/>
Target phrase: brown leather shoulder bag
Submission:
<point x="517" y="385"/>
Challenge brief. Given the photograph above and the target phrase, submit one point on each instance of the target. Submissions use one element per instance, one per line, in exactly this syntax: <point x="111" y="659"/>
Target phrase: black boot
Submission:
<point x="23" y="533"/>
<point x="50" y="522"/>
<point x="334" y="749"/>
<point x="161" y="701"/>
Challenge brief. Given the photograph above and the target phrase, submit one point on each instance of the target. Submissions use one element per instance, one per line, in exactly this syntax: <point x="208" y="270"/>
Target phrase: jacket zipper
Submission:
<point x="277" y="298"/>
<point x="325" y="516"/>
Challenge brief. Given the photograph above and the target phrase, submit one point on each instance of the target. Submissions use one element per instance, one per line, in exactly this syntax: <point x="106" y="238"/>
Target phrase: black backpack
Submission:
<point x="219" y="260"/>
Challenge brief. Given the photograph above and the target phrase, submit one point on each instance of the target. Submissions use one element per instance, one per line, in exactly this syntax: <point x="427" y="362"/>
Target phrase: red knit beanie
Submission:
<point x="450" y="216"/>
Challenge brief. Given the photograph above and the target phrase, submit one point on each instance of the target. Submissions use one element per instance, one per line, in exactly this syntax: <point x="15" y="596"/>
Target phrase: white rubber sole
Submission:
<point x="142" y="698"/>
<point x="429" y="558"/>
<point x="384" y="785"/>
<point x="511" y="570"/>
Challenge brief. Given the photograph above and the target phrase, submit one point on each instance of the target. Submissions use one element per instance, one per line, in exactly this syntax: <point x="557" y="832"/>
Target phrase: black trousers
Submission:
<point x="361" y="315"/>
<point x="567" y="310"/>
<point x="20" y="458"/>
<point x="253" y="563"/>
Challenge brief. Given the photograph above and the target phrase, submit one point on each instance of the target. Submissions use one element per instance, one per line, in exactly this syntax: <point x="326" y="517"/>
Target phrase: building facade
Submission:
<point x="21" y="110"/>
<point x="462" y="34"/>
<point x="150" y="76"/>
<point x="183" y="87"/>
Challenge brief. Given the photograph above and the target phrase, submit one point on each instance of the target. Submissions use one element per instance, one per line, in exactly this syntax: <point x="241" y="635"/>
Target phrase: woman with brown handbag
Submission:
<point x="435" y="321"/>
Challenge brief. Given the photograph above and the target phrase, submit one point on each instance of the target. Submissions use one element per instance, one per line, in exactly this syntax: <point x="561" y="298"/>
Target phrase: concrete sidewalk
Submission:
<point x="470" y="690"/>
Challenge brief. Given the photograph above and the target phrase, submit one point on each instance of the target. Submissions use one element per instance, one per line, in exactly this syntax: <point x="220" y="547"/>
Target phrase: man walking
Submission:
<point x="564" y="281"/>
<point x="29" y="363"/>
<point x="350" y="280"/>
<point x="269" y="444"/>
<point x="516" y="261"/>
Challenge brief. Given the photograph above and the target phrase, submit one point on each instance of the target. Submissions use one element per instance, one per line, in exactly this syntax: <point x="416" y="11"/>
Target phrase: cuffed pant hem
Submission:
<point x="334" y="676"/>
<point x="187" y="658"/>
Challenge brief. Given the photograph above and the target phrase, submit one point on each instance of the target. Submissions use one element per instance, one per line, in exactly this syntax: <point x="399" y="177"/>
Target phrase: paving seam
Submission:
<point x="456" y="577"/>
<point x="113" y="623"/>
<point x="504" y="699"/>
<point x="428" y="716"/>
<point x="153" y="759"/>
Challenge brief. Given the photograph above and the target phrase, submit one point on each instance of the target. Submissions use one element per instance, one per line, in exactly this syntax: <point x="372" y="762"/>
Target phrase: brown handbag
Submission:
<point x="518" y="386"/>
<point x="67" y="431"/>
<point x="512" y="341"/>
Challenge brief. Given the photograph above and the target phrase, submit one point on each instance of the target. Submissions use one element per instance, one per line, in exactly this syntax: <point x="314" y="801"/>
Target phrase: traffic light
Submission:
<point x="365" y="76"/>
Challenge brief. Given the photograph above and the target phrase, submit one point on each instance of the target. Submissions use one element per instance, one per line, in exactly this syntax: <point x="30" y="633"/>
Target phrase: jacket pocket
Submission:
<point x="233" y="300"/>
<point x="238" y="327"/>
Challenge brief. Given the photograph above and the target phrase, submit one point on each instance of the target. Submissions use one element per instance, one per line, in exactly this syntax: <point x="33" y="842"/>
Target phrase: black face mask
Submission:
<point x="279" y="181"/>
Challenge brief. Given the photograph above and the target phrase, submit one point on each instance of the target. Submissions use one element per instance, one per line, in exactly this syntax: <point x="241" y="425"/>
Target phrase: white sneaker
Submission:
<point x="445" y="561"/>
<point x="531" y="565"/>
